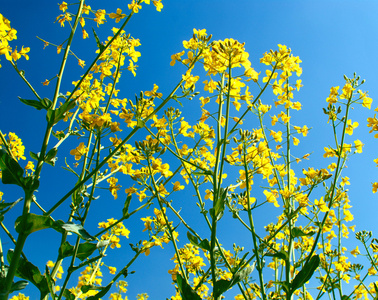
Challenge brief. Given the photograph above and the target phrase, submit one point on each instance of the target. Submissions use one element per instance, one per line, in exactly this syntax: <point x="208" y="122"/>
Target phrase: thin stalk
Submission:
<point x="166" y="221"/>
<point x="290" y="202"/>
<point x="57" y="89"/>
<point x="16" y="255"/>
<point x="336" y="177"/>
<point x="25" y="80"/>
<point x="2" y="263"/>
<point x="252" y="226"/>
<point x="215" y="186"/>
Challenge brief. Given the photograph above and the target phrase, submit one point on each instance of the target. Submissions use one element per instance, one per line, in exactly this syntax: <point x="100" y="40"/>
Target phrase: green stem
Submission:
<point x="166" y="221"/>
<point x="25" y="80"/>
<point x="336" y="177"/>
<point x="16" y="255"/>
<point x="289" y="202"/>
<point x="252" y="226"/>
<point x="56" y="93"/>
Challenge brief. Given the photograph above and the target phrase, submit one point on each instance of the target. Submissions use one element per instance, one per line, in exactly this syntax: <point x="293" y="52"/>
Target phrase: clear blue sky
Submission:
<point x="332" y="38"/>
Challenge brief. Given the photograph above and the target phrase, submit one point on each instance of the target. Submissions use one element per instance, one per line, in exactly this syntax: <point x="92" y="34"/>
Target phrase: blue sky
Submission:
<point x="332" y="38"/>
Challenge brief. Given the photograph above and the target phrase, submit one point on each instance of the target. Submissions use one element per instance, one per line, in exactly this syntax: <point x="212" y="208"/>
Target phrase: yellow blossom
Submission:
<point x="79" y="151"/>
<point x="117" y="16"/>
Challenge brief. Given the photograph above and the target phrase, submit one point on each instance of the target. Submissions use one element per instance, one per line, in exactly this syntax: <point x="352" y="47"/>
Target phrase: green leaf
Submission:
<point x="63" y="109"/>
<point x="4" y="205"/>
<point x="34" y="155"/>
<point x="282" y="254"/>
<point x="50" y="115"/>
<point x="203" y="173"/>
<point x="58" y="134"/>
<point x="223" y="285"/>
<point x="19" y="285"/>
<point x="33" y="103"/>
<point x="219" y="204"/>
<point x="242" y="274"/>
<point x="99" y="45"/>
<point x="50" y="283"/>
<point x="204" y="244"/>
<point x="125" y="210"/>
<point x="90" y="287"/>
<point x="186" y="290"/>
<point x="220" y="287"/>
<point x="305" y="274"/>
<point x="50" y="156"/>
<point x="285" y="286"/>
<point x="26" y="270"/>
<point x="68" y="295"/>
<point x="77" y="229"/>
<point x="31" y="183"/>
<point x="12" y="173"/>
<point x="29" y="223"/>
<point x="54" y="116"/>
<point x="297" y="232"/>
<point x="376" y="288"/>
<point x="47" y="103"/>
<point x="84" y="251"/>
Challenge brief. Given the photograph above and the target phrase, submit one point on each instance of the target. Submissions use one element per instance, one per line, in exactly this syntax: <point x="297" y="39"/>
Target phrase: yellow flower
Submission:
<point x="358" y="145"/>
<point x="16" y="146"/>
<point x="251" y="74"/>
<point x="366" y="101"/>
<point x="79" y="151"/>
<point x="147" y="223"/>
<point x="132" y="67"/>
<point x="117" y="16"/>
<point x="210" y="86"/>
<point x="85" y="34"/>
<point x="329" y="152"/>
<point x="271" y="196"/>
<point x="134" y="6"/>
<point x="375" y="187"/>
<point x="176" y="57"/>
<point x="209" y="194"/>
<point x="113" y="186"/>
<point x="19" y="297"/>
<point x="63" y="7"/>
<point x="81" y="63"/>
<point x="50" y="264"/>
<point x="160" y="216"/>
<point x="349" y="128"/>
<point x="321" y="204"/>
<point x="159" y="6"/>
<point x="355" y="252"/>
<point x="154" y="93"/>
<point x="276" y="135"/>
<point x="372" y="271"/>
<point x="345" y="181"/>
<point x="347" y="91"/>
<point x="177" y="186"/>
<point x="100" y="16"/>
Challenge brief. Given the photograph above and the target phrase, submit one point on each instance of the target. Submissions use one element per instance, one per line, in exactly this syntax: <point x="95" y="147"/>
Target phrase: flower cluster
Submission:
<point x="7" y="34"/>
<point x="115" y="229"/>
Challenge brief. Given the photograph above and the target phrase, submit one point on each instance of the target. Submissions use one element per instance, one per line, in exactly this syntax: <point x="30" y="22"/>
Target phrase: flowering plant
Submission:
<point x="238" y="161"/>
